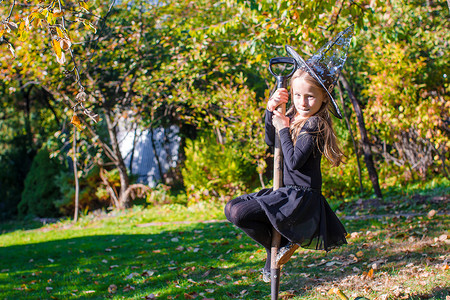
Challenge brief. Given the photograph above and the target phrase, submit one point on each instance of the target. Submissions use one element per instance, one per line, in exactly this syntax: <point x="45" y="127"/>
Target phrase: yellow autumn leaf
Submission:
<point x="59" y="32"/>
<point x="61" y="60"/>
<point x="57" y="48"/>
<point x="84" y="5"/>
<point x="58" y="13"/>
<point x="89" y="26"/>
<point x="338" y="292"/>
<point x="23" y="35"/>
<point x="76" y="121"/>
<point x="2" y="32"/>
<point x="35" y="18"/>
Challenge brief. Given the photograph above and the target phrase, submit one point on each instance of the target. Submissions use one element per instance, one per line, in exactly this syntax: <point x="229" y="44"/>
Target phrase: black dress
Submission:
<point x="298" y="210"/>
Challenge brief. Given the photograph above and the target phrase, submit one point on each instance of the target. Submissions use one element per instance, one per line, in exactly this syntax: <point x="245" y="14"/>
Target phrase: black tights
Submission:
<point x="248" y="215"/>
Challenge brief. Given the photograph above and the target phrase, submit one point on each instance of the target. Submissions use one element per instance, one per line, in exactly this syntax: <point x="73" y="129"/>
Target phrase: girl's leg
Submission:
<point x="248" y="215"/>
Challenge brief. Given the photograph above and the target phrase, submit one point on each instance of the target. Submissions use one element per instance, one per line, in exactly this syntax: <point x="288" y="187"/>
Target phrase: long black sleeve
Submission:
<point x="296" y="156"/>
<point x="302" y="159"/>
<point x="270" y="129"/>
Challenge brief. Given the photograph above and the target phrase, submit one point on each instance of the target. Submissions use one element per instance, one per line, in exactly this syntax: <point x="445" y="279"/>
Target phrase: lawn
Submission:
<point x="174" y="252"/>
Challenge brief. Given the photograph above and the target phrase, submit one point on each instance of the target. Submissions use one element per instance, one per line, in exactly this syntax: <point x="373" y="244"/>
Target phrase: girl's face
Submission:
<point x="307" y="98"/>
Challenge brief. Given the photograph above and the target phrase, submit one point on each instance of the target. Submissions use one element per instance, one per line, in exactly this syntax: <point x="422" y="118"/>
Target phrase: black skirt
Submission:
<point x="303" y="216"/>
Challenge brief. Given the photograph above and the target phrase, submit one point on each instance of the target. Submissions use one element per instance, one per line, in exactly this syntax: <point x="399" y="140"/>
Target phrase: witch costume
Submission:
<point x="298" y="211"/>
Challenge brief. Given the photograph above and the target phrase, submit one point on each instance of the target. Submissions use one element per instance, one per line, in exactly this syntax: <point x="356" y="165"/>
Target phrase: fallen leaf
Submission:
<point x="368" y="275"/>
<point x="287" y="295"/>
<point x="431" y="213"/>
<point x="338" y="292"/>
<point x="191" y="295"/>
<point x="112" y="289"/>
<point x="148" y="273"/>
<point x="150" y="297"/>
<point x="132" y="275"/>
<point x="128" y="288"/>
<point x="354" y="235"/>
<point x="443" y="237"/>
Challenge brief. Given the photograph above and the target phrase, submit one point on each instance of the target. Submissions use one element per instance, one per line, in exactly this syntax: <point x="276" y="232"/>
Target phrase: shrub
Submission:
<point x="214" y="171"/>
<point x="14" y="166"/>
<point x="40" y="188"/>
<point x="90" y="197"/>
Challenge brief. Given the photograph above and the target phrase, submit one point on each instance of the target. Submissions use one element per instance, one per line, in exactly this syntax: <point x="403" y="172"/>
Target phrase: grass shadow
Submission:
<point x="186" y="261"/>
<point x="205" y="260"/>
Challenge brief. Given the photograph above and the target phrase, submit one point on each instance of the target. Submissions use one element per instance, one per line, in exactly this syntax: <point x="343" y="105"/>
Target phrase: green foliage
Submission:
<point x="341" y="182"/>
<point x="404" y="83"/>
<point x="214" y="171"/>
<point x="14" y="165"/>
<point x="89" y="198"/>
<point x="205" y="67"/>
<point x="162" y="194"/>
<point x="163" y="250"/>
<point x="41" y="190"/>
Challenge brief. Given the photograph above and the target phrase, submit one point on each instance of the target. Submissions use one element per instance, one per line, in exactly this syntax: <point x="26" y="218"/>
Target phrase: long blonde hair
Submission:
<point x="326" y="139"/>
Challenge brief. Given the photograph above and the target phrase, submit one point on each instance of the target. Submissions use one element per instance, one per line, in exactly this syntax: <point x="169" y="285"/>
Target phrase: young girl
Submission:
<point x="298" y="211"/>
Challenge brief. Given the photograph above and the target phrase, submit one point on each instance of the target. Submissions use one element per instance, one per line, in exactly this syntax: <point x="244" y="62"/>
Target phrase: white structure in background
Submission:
<point x="148" y="153"/>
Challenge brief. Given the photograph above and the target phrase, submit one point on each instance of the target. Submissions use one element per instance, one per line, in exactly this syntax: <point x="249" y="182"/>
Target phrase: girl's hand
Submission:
<point x="279" y="121"/>
<point x="279" y="97"/>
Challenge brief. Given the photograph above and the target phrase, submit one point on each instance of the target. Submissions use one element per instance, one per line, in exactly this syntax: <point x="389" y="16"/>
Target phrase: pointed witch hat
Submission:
<point x="326" y="64"/>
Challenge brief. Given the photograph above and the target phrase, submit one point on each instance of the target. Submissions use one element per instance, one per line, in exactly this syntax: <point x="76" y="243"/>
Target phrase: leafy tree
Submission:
<point x="40" y="189"/>
<point x="405" y="86"/>
<point x="203" y="66"/>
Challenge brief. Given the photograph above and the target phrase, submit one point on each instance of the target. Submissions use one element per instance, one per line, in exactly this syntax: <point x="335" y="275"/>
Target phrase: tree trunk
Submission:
<point x="29" y="134"/>
<point x="155" y="152"/>
<point x="341" y="96"/>
<point x="368" y="158"/>
<point x="119" y="163"/>
<point x="133" y="149"/>
<point x="75" y="173"/>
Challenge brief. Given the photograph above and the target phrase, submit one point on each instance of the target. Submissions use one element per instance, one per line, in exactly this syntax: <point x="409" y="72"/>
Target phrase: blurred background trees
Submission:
<point x="202" y="66"/>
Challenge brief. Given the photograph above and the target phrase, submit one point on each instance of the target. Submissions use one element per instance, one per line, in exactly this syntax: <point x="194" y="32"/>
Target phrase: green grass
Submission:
<point x="166" y="252"/>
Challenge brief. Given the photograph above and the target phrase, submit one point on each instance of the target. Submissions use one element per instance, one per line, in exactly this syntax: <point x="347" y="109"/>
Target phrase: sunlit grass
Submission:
<point x="166" y="252"/>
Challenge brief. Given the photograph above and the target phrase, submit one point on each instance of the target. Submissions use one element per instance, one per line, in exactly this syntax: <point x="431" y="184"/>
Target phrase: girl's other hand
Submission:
<point x="279" y="97"/>
<point x="279" y="121"/>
